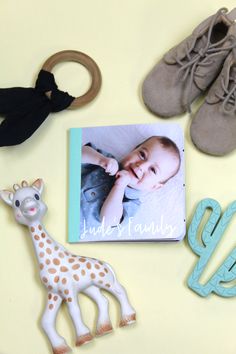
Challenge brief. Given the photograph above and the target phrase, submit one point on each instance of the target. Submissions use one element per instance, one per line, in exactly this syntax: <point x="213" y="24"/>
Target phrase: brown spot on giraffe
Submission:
<point x="61" y="255"/>
<point x="39" y="227"/>
<point x="48" y="261"/>
<point x="41" y="266"/>
<point x="93" y="276"/>
<point x="82" y="259"/>
<point x="75" y="266"/>
<point x="97" y="266"/>
<point x="55" y="298"/>
<point x="41" y="254"/>
<point x="64" y="280"/>
<point x="50" y="306"/>
<point x="49" y="296"/>
<point x="48" y="241"/>
<point x="52" y="270"/>
<point x="64" y="269"/>
<point x="56" y="279"/>
<point x="56" y="248"/>
<point x="49" y="287"/>
<point x="69" y="299"/>
<point x="102" y="274"/>
<point x="76" y="277"/>
<point x="41" y="244"/>
<point x="49" y="251"/>
<point x="66" y="253"/>
<point x="43" y="235"/>
<point x="32" y="229"/>
<point x="83" y="272"/>
<point x="105" y="269"/>
<point x="45" y="280"/>
<point x="56" y="261"/>
<point x="66" y="292"/>
<point x="88" y="265"/>
<point x="36" y="237"/>
<point x="71" y="260"/>
<point x="100" y="262"/>
<point x="108" y="285"/>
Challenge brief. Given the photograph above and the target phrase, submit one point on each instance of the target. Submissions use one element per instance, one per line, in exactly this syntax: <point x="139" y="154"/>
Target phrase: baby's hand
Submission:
<point x="123" y="178"/>
<point x="110" y="165"/>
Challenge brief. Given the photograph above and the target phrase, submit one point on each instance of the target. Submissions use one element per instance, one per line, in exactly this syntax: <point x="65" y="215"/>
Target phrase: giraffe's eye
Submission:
<point x="17" y="203"/>
<point x="36" y="196"/>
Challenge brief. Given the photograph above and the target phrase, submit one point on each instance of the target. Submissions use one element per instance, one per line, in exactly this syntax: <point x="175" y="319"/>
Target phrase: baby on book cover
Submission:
<point x="131" y="183"/>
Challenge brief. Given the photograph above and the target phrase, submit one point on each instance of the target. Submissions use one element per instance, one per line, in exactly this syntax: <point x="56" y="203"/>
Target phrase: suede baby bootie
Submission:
<point x="189" y="68"/>
<point x="213" y="129"/>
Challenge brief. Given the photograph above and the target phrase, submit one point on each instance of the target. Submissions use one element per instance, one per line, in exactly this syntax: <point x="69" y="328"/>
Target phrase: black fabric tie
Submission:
<point x="25" y="109"/>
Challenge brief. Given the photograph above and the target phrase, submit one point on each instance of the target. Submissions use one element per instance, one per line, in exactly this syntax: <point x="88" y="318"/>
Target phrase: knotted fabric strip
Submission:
<point x="25" y="109"/>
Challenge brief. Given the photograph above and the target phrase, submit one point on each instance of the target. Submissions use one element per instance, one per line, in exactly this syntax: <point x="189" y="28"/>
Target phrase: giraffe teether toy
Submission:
<point x="64" y="274"/>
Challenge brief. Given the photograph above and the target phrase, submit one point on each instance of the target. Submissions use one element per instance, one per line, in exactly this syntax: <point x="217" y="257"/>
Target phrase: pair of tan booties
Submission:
<point x="206" y="58"/>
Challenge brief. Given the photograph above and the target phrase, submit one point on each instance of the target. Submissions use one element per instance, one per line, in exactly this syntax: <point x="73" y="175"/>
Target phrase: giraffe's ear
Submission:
<point x="7" y="197"/>
<point x="38" y="185"/>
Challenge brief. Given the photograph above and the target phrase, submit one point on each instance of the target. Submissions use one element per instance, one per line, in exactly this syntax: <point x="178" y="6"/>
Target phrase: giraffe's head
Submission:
<point x="26" y="202"/>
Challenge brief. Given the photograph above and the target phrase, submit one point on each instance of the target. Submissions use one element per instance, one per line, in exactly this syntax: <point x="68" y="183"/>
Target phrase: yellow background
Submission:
<point x="125" y="38"/>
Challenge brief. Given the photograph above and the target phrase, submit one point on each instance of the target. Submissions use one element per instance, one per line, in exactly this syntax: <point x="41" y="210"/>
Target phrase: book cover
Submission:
<point x="126" y="183"/>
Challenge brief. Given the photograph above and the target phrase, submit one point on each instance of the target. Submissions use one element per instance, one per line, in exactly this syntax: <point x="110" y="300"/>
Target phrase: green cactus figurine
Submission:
<point x="204" y="248"/>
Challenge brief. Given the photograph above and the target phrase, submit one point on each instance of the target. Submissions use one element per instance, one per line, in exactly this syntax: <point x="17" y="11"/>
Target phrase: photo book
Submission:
<point x="126" y="183"/>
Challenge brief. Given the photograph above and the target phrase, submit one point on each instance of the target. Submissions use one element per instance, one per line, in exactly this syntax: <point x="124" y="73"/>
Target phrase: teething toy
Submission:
<point x="212" y="233"/>
<point x="25" y="109"/>
<point x="64" y="274"/>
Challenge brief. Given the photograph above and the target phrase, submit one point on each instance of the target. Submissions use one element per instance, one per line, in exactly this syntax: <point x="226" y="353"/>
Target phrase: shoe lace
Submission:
<point x="229" y="95"/>
<point x="193" y="62"/>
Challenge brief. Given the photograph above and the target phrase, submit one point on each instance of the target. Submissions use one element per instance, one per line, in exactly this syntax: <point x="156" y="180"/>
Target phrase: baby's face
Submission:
<point x="149" y="165"/>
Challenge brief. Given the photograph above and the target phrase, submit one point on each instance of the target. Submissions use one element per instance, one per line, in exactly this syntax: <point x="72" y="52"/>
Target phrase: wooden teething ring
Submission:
<point x="88" y="63"/>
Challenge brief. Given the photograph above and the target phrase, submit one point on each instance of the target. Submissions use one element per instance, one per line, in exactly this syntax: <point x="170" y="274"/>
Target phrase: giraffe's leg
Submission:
<point x="82" y="332"/>
<point x="48" y="320"/>
<point x="128" y="315"/>
<point x="103" y="322"/>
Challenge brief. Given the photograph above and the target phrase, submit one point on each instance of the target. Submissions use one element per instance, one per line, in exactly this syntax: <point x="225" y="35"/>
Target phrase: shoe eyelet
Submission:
<point x="224" y="10"/>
